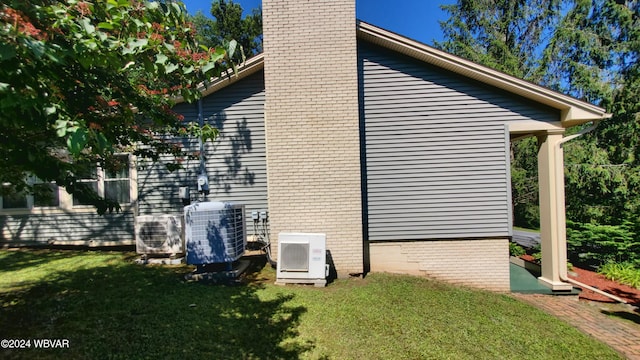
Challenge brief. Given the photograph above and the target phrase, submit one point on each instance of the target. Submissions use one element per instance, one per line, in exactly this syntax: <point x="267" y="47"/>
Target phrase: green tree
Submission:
<point x="588" y="49"/>
<point x="228" y="24"/>
<point x="502" y="34"/>
<point x="524" y="183"/>
<point x="506" y="35"/>
<point x="594" y="55"/>
<point x="80" y="81"/>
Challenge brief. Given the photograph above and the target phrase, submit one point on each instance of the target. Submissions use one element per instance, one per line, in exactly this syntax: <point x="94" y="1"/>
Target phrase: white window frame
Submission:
<point x="65" y="200"/>
<point x="30" y="198"/>
<point x="102" y="177"/>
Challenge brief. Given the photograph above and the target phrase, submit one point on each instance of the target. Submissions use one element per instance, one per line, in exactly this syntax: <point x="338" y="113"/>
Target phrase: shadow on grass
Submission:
<point x="16" y="260"/>
<point x="131" y="311"/>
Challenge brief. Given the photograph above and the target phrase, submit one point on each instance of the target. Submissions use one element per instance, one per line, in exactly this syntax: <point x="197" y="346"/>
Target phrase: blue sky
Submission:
<point x="416" y="19"/>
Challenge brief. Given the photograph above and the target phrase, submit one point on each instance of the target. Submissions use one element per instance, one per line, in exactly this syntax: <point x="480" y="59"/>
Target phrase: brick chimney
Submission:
<point x="312" y="124"/>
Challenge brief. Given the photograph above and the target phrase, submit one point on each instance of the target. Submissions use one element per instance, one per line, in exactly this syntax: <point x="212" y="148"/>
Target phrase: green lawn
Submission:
<point x="110" y="308"/>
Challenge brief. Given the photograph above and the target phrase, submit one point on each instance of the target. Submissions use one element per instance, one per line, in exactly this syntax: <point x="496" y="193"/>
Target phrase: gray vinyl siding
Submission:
<point x="44" y="228"/>
<point x="235" y="162"/>
<point x="435" y="150"/>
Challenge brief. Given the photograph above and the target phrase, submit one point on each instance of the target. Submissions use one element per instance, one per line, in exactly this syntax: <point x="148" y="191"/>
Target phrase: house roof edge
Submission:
<point x="572" y="111"/>
<point x="249" y="67"/>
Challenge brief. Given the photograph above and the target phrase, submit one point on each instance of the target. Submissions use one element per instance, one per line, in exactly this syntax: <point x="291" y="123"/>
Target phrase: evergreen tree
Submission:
<point x="502" y="34"/>
<point x="588" y="49"/>
<point x="594" y="55"/>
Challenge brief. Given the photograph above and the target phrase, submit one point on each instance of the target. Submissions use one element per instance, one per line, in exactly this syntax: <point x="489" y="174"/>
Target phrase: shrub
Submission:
<point x="624" y="273"/>
<point x="536" y="252"/>
<point x="600" y="244"/>
<point x="516" y="250"/>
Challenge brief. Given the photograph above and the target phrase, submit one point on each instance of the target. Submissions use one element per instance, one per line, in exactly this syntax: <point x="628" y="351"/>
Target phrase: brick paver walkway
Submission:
<point x="622" y="335"/>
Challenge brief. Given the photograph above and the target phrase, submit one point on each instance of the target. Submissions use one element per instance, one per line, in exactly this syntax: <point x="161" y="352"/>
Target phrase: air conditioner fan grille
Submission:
<point x="153" y="234"/>
<point x="295" y="257"/>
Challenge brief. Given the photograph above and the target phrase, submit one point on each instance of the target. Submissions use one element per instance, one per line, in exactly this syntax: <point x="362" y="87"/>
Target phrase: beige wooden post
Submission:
<point x="552" y="210"/>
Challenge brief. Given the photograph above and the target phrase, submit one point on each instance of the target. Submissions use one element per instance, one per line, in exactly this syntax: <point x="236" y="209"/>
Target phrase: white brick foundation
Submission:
<point x="478" y="263"/>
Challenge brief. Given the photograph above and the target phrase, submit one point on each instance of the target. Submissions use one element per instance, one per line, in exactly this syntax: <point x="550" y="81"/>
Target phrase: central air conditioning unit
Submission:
<point x="302" y="259"/>
<point x="159" y="234"/>
<point x="214" y="232"/>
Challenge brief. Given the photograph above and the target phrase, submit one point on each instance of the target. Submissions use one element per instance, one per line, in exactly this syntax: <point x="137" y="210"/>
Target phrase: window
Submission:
<point x="111" y="182"/>
<point x="14" y="201"/>
<point x="116" y="182"/>
<point x="44" y="195"/>
<point x="89" y="178"/>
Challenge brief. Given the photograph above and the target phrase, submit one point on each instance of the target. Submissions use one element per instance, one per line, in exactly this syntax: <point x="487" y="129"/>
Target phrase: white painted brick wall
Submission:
<point x="478" y="263"/>
<point x="312" y="124"/>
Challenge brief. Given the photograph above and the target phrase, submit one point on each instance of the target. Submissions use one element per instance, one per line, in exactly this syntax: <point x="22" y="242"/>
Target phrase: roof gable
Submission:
<point x="572" y="111"/>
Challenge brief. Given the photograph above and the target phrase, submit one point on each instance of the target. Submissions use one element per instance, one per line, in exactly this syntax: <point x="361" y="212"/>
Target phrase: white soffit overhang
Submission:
<point x="249" y="67"/>
<point x="572" y="111"/>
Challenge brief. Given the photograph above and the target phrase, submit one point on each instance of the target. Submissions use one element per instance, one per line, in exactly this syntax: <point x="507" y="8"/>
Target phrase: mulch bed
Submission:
<point x="598" y="281"/>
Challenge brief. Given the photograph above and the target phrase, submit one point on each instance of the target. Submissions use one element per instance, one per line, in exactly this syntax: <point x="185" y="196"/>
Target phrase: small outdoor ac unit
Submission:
<point x="302" y="259"/>
<point x="158" y="234"/>
<point x="214" y="232"/>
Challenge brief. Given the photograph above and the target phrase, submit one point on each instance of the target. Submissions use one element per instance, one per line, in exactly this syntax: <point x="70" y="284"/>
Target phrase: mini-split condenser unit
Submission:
<point x="214" y="232"/>
<point x="302" y="259"/>
<point x="159" y="234"/>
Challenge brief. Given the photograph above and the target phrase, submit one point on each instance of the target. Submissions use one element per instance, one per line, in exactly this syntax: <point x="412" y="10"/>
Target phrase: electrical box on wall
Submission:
<point x="183" y="194"/>
<point x="203" y="184"/>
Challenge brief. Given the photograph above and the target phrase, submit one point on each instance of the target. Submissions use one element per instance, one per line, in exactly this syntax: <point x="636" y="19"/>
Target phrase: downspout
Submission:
<point x="563" y="266"/>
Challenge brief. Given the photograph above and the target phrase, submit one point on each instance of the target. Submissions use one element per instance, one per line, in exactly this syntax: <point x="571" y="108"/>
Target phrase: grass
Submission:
<point x="110" y="308"/>
<point x="525" y="229"/>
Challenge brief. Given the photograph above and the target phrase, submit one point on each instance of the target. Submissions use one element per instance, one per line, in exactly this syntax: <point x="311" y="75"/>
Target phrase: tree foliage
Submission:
<point x="524" y="183"/>
<point x="502" y="34"/>
<point x="599" y="244"/>
<point x="588" y="49"/>
<point x="228" y="24"/>
<point x="81" y="81"/>
<point x="594" y="55"/>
